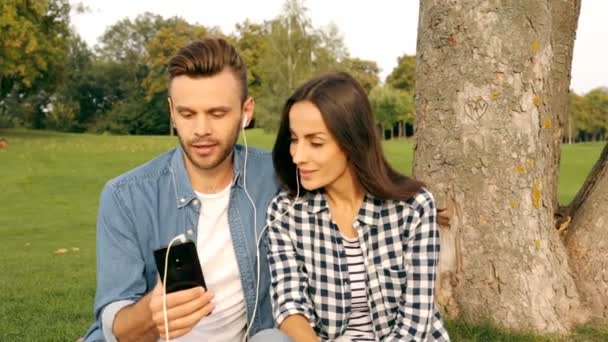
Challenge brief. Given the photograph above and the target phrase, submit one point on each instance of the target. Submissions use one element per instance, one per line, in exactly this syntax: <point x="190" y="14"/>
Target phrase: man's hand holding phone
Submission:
<point x="187" y="299"/>
<point x="185" y="309"/>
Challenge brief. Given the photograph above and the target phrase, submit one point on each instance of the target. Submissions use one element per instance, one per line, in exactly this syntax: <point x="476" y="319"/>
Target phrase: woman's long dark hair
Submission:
<point x="347" y="113"/>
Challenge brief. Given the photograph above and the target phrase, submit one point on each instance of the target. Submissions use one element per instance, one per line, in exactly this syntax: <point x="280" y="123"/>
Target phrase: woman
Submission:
<point x="353" y="245"/>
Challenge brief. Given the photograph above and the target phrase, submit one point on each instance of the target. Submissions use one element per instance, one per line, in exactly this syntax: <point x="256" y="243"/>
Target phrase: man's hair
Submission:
<point x="206" y="58"/>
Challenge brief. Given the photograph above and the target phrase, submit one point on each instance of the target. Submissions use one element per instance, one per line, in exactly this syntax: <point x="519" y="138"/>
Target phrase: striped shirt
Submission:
<point x="360" y="323"/>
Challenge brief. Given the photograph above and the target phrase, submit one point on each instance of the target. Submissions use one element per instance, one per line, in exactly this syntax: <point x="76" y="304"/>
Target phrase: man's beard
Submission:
<point x="210" y="162"/>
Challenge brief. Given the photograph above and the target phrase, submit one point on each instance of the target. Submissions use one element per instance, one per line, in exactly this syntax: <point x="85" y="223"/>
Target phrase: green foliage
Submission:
<point x="287" y="62"/>
<point x="175" y="34"/>
<point x="252" y="43"/>
<point x="136" y="54"/>
<point x="77" y="100"/>
<point x="365" y="72"/>
<point x="125" y="41"/>
<point x="49" y="77"/>
<point x="123" y="51"/>
<point x="121" y="86"/>
<point x="291" y="51"/>
<point x="391" y="106"/>
<point x="588" y="116"/>
<point x="404" y="75"/>
<point x="33" y="39"/>
<point x="33" y="45"/>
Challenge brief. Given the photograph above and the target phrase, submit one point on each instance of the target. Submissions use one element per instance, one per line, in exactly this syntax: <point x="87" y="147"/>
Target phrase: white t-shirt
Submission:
<point x="228" y="320"/>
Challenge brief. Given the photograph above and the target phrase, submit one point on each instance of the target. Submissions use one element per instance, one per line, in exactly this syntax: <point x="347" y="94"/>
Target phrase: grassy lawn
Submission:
<point x="50" y="183"/>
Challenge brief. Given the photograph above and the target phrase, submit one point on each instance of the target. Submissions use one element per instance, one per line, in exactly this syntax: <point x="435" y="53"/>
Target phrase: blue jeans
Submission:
<point x="270" y="335"/>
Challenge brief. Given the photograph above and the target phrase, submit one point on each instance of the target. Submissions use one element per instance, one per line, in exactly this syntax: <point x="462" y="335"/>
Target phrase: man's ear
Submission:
<point x="248" y="108"/>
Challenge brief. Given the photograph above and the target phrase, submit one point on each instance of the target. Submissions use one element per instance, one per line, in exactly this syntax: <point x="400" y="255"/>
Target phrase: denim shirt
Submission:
<point x="143" y="209"/>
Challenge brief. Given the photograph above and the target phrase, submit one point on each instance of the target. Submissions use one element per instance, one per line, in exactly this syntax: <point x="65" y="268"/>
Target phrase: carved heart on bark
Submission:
<point x="476" y="108"/>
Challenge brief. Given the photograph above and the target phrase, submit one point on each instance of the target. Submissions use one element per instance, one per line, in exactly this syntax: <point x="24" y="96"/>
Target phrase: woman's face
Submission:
<point x="320" y="161"/>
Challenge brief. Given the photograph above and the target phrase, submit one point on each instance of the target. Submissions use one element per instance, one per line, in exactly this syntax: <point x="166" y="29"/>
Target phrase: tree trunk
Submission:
<point x="587" y="239"/>
<point x="486" y="80"/>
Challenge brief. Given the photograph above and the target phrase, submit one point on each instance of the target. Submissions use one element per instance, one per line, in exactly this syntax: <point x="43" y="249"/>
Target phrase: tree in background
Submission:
<point x="121" y="52"/>
<point x="588" y="116"/>
<point x="290" y="51"/>
<point x="597" y="111"/>
<point x="137" y="52"/>
<point x="76" y="101"/>
<point x="288" y="60"/>
<point x="391" y="106"/>
<point x="120" y="85"/>
<point x="33" y="46"/>
<point x="406" y="118"/>
<point x="576" y="112"/>
<point x="167" y="41"/>
<point x="403" y="78"/>
<point x="49" y="78"/>
<point x="252" y="42"/>
<point x="404" y="75"/>
<point x="365" y="72"/>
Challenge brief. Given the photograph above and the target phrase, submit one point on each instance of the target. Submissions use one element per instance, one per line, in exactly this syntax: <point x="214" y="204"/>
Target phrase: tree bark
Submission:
<point x="587" y="239"/>
<point x="488" y="129"/>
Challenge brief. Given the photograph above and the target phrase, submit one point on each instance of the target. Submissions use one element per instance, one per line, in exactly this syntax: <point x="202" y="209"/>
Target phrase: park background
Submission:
<point x="73" y="115"/>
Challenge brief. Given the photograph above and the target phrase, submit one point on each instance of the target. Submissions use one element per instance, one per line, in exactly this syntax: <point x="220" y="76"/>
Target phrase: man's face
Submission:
<point x="207" y="113"/>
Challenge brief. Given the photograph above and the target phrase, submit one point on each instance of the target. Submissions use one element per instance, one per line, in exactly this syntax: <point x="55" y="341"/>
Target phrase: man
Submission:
<point x="199" y="189"/>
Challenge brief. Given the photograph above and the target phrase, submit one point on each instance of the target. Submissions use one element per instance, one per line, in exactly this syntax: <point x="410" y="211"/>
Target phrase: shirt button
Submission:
<point x="182" y="200"/>
<point x="195" y="202"/>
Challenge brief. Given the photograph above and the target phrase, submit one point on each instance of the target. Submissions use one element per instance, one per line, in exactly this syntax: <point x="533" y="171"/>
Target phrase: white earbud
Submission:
<point x="181" y="238"/>
<point x="244" y="122"/>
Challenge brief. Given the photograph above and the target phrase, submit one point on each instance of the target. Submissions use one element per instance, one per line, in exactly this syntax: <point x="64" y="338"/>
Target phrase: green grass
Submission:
<point x="577" y="161"/>
<point x="49" y="188"/>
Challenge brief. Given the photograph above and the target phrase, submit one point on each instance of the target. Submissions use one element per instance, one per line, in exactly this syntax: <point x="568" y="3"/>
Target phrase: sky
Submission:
<point x="366" y="26"/>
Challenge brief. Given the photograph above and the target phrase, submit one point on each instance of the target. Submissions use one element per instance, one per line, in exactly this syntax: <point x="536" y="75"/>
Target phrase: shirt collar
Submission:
<point x="368" y="214"/>
<point x="184" y="193"/>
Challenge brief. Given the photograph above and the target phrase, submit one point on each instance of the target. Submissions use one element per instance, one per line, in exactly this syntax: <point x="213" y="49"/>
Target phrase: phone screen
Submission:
<point x="183" y="267"/>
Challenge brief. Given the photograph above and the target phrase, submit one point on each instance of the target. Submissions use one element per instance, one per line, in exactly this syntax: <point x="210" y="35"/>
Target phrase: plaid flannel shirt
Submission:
<point x="309" y="273"/>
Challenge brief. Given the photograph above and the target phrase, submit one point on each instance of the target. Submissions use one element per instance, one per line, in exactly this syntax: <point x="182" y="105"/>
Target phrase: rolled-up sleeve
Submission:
<point x="107" y="318"/>
<point x="120" y="264"/>
<point x="289" y="283"/>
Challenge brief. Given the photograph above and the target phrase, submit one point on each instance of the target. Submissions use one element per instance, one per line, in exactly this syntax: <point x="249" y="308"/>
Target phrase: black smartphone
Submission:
<point x="183" y="267"/>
